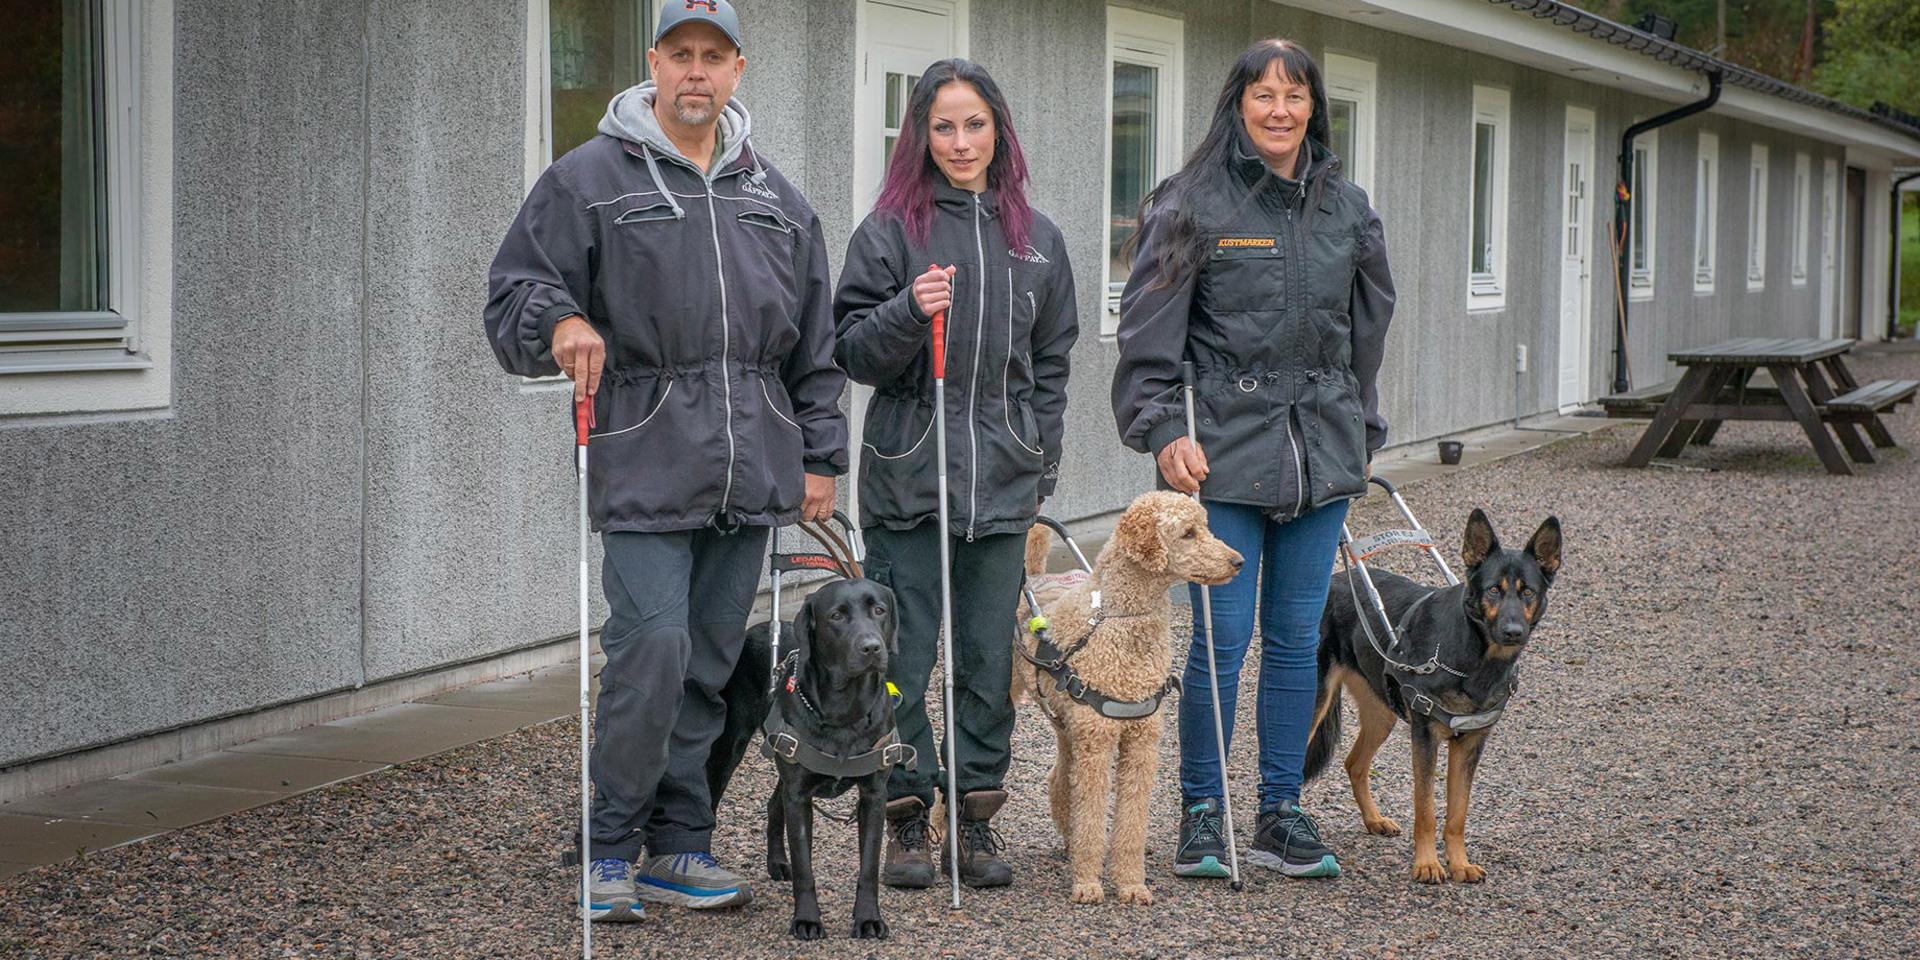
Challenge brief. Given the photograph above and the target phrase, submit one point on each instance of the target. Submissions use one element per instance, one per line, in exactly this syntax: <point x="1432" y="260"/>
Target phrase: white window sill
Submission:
<point x="1755" y="286"/>
<point x="1700" y="291"/>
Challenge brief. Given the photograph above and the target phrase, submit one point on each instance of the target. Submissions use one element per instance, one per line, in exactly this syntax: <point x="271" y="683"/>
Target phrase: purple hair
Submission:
<point x="907" y="191"/>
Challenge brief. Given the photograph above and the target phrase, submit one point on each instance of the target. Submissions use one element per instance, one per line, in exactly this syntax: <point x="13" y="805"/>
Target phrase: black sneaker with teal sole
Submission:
<point x="1203" y="848"/>
<point x="1288" y="840"/>
<point x="690" y="880"/>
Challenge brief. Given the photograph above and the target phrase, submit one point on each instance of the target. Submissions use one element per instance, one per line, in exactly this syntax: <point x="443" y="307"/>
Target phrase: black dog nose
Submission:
<point x="870" y="646"/>
<point x="1239" y="562"/>
<point x="1513" y="631"/>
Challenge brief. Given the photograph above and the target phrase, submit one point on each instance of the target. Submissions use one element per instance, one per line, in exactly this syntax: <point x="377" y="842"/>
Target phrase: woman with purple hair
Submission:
<point x="952" y="231"/>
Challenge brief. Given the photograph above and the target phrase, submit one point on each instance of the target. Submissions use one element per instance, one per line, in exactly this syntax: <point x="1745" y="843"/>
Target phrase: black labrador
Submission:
<point x="828" y="719"/>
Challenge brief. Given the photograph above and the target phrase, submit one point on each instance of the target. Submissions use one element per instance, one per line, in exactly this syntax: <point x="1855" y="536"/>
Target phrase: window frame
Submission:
<point x="1646" y="206"/>
<point x="538" y="126"/>
<point x="1758" y="170"/>
<point x="119" y="357"/>
<point x="1358" y="80"/>
<point x="1493" y="106"/>
<point x="1148" y="40"/>
<point x="1706" y="212"/>
<point x="1800" y="266"/>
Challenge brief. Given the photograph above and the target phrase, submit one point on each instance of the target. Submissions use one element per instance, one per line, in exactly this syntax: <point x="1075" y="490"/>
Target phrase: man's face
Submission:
<point x="696" y="69"/>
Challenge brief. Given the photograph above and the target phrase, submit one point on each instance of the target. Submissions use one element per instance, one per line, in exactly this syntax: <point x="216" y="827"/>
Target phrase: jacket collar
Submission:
<point x="954" y="200"/>
<point x="1248" y="168"/>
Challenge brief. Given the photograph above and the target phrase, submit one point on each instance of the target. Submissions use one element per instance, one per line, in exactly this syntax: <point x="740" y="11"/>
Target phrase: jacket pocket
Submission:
<point x="768" y="220"/>
<point x="645" y="212"/>
<point x="897" y="469"/>
<point x="1336" y="437"/>
<point x="1243" y="278"/>
<point x="782" y="409"/>
<point x="623" y="408"/>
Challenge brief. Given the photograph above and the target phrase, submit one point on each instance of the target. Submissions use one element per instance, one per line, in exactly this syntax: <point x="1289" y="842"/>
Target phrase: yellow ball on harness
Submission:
<point x="1037" y="624"/>
<point x="893" y="691"/>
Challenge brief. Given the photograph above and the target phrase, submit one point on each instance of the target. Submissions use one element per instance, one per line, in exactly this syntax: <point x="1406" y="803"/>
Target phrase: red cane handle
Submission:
<point x="582" y="419"/>
<point x="939" y="339"/>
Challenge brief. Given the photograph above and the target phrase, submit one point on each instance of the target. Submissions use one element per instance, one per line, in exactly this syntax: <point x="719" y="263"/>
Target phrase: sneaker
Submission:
<point x="690" y="880"/>
<point x="610" y="892"/>
<point x="1203" y="848"/>
<point x="909" y="863"/>
<point x="1288" y="840"/>
<point x="980" y="844"/>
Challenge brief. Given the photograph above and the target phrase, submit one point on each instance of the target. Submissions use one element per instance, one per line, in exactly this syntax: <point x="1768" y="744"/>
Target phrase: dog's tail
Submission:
<point x="1327" y="704"/>
<point x="1039" y="542"/>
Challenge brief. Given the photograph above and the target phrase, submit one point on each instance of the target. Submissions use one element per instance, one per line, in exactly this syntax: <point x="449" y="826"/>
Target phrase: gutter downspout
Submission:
<point x="1623" y="218"/>
<point x="1893" y="266"/>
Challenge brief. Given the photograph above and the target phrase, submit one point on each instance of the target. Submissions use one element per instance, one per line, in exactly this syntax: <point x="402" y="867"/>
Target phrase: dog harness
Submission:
<point x="1413" y="700"/>
<point x="1053" y="660"/>
<point x="780" y="741"/>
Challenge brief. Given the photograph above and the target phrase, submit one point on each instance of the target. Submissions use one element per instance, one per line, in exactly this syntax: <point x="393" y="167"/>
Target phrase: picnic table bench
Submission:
<point x="1717" y="386"/>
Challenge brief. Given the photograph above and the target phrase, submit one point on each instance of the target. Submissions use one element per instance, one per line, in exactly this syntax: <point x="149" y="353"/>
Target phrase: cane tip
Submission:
<point x="1238" y="885"/>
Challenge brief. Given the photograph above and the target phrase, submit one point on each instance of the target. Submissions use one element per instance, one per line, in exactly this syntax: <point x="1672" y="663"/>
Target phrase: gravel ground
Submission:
<point x="1714" y="753"/>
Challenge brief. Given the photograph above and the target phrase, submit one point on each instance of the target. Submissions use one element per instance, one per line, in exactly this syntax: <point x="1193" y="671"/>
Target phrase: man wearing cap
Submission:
<point x="681" y="282"/>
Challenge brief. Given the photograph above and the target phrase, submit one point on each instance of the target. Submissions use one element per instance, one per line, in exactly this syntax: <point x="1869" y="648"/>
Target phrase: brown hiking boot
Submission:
<point x="909" y="863"/>
<point x="980" y="844"/>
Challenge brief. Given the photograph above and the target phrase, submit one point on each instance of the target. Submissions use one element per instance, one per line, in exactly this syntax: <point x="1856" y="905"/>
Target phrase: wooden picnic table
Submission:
<point x="1717" y="386"/>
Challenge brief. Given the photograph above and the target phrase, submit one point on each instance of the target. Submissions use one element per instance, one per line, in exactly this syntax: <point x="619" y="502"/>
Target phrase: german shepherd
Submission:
<point x="1450" y="678"/>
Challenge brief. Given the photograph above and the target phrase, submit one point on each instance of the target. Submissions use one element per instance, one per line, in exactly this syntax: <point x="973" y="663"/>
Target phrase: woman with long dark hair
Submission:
<point x="955" y="198"/>
<point x="1264" y="267"/>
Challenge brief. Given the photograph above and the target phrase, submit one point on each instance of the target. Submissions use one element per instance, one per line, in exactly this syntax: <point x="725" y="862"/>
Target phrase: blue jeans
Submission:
<point x="1289" y="566"/>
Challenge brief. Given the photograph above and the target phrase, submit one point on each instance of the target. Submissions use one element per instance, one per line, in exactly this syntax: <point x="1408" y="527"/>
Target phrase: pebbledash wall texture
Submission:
<point x="344" y="487"/>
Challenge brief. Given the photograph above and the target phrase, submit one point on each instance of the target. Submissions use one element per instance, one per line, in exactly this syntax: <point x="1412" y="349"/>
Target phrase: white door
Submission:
<point x="896" y="40"/>
<point x="1829" y="238"/>
<point x="1576" y="258"/>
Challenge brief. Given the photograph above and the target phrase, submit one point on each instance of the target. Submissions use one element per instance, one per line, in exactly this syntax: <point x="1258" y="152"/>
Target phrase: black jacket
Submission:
<point x="1285" y="320"/>
<point x="1009" y="332"/>
<point x="714" y="302"/>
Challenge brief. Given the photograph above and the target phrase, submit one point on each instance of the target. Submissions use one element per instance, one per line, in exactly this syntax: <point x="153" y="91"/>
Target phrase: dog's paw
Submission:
<point x="1428" y="871"/>
<point x="779" y="871"/>
<point x="1468" y="873"/>
<point x="1135" y="893"/>
<point x="1088" y="893"/>
<point x="808" y="929"/>
<point x="1382" y="826"/>
<point x="873" y="929"/>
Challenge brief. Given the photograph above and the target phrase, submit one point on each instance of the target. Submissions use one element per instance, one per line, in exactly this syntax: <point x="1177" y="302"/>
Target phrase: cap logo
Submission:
<point x="713" y="6"/>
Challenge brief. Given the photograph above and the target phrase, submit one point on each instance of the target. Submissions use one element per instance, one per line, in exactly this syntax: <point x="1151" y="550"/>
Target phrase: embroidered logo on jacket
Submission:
<point x="758" y="188"/>
<point x="1030" y="256"/>
<point x="1226" y="242"/>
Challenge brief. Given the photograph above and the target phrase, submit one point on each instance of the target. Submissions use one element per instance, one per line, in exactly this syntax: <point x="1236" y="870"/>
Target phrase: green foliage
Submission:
<point x="1873" y="53"/>
<point x="1909" y="264"/>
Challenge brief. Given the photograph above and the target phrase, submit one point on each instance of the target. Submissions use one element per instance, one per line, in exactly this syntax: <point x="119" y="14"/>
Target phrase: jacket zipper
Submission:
<point x="973" y="395"/>
<point x="1299" y="466"/>
<point x="726" y="378"/>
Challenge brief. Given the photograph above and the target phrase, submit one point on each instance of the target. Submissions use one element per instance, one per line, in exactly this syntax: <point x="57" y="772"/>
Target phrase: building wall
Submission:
<point x="347" y="489"/>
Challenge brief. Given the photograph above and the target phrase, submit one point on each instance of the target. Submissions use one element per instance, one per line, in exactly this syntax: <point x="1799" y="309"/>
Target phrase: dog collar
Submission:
<point x="1053" y="660"/>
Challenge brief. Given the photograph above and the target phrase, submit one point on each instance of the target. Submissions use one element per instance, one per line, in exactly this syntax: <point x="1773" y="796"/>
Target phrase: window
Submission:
<point x="85" y="265"/>
<point x="1143" y="144"/>
<point x="1706" y="212"/>
<point x="1351" y="85"/>
<point x="1757" y="219"/>
<point x="1802" y="216"/>
<point x="1646" y="208"/>
<point x="581" y="53"/>
<point x="1487" y="257"/>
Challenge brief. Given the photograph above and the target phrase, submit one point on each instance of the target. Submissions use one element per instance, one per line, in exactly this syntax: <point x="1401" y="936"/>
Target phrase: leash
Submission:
<point x="1433" y="663"/>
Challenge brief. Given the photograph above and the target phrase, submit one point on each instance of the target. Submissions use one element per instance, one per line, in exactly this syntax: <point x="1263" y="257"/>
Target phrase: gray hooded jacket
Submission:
<point x="712" y="293"/>
<point x="1285" y="319"/>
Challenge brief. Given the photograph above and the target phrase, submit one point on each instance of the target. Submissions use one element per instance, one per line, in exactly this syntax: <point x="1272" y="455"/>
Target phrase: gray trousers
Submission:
<point x="679" y="603"/>
<point x="986" y="597"/>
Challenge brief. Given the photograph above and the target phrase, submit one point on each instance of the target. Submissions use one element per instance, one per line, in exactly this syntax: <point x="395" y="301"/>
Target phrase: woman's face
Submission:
<point x="1275" y="109"/>
<point x="960" y="135"/>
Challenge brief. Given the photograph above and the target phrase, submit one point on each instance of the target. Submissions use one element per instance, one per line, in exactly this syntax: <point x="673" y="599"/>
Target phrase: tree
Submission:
<point x="1873" y="53"/>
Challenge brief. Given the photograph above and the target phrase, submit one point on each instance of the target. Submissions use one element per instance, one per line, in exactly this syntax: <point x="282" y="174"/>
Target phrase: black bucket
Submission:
<point x="1450" y="451"/>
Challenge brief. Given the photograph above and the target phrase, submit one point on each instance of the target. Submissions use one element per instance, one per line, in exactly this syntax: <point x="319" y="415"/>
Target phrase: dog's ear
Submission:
<point x="1480" y="542"/>
<point x="1138" y="533"/>
<point x="801" y="642"/>
<point x="890" y="621"/>
<point x="1544" y="548"/>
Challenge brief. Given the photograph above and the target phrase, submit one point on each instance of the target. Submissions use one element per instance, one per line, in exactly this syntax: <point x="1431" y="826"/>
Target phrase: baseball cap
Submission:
<point x="674" y="13"/>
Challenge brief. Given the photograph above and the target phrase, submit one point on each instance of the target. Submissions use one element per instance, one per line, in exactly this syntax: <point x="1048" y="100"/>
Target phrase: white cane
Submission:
<point x="582" y="420"/>
<point x="1213" y="672"/>
<point x="946" y="596"/>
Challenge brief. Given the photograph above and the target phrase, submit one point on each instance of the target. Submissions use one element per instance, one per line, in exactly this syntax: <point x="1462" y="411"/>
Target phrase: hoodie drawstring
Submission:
<point x="653" y="169"/>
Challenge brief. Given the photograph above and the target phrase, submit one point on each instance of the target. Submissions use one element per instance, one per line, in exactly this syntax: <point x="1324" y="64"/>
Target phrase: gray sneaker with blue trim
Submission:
<point x="1203" y="848"/>
<point x="690" y="880"/>
<point x="610" y="892"/>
